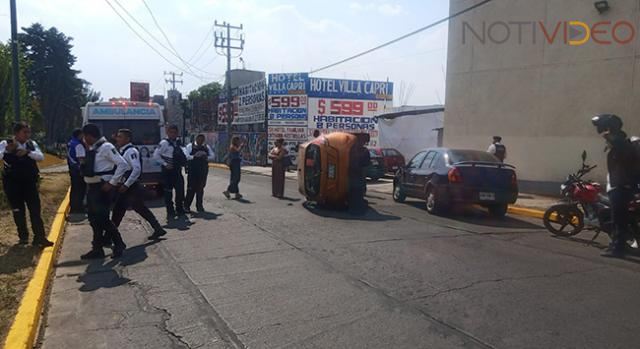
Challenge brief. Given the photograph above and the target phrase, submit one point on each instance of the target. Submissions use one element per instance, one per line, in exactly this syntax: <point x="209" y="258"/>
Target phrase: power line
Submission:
<point x="144" y="40"/>
<point x="201" y="44"/>
<point x="166" y="38"/>
<point x="403" y="36"/>
<point x="188" y="70"/>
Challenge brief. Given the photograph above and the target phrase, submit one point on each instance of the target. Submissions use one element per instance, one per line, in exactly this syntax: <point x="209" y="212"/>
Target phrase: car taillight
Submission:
<point x="454" y="176"/>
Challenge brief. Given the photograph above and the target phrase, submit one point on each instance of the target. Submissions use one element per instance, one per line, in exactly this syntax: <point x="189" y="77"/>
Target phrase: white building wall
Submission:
<point x="540" y="97"/>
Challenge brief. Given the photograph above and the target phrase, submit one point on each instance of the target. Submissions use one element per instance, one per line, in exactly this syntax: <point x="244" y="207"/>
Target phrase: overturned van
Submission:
<point x="323" y="168"/>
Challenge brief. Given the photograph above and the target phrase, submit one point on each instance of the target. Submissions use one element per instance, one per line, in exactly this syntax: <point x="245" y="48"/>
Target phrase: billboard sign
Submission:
<point x="288" y="84"/>
<point x="350" y="89"/>
<point x="337" y="105"/>
<point x="139" y="92"/>
<point x="249" y="104"/>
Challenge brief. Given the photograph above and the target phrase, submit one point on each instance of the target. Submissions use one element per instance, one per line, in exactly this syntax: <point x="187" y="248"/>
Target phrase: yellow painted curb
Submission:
<point x="528" y="212"/>
<point x="24" y="329"/>
<point x="220" y="166"/>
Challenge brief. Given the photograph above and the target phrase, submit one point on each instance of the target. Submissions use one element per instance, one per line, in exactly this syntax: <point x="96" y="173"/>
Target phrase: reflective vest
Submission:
<point x="20" y="168"/>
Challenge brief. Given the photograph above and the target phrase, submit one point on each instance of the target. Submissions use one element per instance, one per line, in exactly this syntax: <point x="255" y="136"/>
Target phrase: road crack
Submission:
<point x="499" y="280"/>
<point x="141" y="294"/>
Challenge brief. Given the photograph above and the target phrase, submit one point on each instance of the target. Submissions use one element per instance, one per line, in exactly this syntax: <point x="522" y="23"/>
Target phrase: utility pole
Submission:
<point x="173" y="79"/>
<point x="15" y="68"/>
<point x="224" y="40"/>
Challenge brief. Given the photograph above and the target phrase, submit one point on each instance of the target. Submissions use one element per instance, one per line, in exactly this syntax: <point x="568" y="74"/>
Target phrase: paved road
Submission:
<point x="267" y="273"/>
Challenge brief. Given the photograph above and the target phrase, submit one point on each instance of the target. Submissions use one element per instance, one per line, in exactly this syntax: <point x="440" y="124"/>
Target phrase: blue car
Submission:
<point x="446" y="177"/>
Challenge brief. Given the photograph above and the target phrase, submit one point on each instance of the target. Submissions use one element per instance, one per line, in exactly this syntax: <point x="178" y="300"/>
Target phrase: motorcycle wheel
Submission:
<point x="564" y="220"/>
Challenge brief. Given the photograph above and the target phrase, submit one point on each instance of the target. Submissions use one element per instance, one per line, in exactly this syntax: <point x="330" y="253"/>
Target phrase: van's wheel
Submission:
<point x="434" y="204"/>
<point x="398" y="193"/>
<point x="498" y="210"/>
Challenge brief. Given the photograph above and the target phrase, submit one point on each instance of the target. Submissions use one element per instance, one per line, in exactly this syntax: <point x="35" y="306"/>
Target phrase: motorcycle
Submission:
<point x="585" y="207"/>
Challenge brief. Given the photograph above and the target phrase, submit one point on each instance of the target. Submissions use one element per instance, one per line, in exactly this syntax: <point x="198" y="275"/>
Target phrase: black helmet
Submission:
<point x="607" y="122"/>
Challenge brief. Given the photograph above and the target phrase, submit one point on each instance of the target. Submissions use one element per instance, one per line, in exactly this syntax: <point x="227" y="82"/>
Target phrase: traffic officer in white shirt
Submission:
<point x="20" y="183"/>
<point x="198" y="156"/>
<point x="103" y="169"/>
<point x="172" y="158"/>
<point x="131" y="192"/>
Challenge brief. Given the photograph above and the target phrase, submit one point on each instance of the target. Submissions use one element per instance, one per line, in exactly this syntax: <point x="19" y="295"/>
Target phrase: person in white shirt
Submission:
<point x="498" y="149"/>
<point x="131" y="192"/>
<point x="103" y="169"/>
<point x="198" y="156"/>
<point x="75" y="152"/>
<point x="20" y="183"/>
<point x="171" y="157"/>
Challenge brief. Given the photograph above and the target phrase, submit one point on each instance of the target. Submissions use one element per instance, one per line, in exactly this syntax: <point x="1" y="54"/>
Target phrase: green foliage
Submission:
<point x="6" y="91"/>
<point x="207" y="92"/>
<point x="53" y="84"/>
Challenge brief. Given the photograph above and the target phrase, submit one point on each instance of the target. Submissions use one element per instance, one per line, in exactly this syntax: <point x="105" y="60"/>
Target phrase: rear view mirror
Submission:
<point x="584" y="156"/>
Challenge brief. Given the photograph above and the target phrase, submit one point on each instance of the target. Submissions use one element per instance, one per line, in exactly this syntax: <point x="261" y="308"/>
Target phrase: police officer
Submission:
<point x="198" y="155"/>
<point x="171" y="157"/>
<point x="622" y="166"/>
<point x="131" y="192"/>
<point x="76" y="152"/>
<point x="20" y="183"/>
<point x="498" y="149"/>
<point x="103" y="169"/>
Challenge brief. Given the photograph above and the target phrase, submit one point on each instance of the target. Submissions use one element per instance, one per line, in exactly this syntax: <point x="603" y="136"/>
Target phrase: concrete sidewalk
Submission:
<point x="385" y="186"/>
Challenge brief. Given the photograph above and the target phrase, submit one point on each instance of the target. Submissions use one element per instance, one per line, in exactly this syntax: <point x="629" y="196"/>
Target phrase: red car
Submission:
<point x="392" y="158"/>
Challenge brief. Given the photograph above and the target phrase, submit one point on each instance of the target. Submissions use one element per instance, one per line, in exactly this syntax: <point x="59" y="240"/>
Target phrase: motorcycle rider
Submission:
<point x="622" y="167"/>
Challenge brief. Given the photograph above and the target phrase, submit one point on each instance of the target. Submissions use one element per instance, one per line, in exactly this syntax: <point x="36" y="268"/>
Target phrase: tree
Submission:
<point x="207" y="92"/>
<point x="6" y="90"/>
<point x="52" y="82"/>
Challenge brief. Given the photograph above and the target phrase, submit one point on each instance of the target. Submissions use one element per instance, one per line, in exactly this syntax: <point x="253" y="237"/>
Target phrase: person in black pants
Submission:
<point x="172" y="158"/>
<point x="103" y="169"/>
<point x="20" y="183"/>
<point x="198" y="156"/>
<point x="75" y="152"/>
<point x="131" y="192"/>
<point x="359" y="160"/>
<point x="234" y="167"/>
<point x="623" y="169"/>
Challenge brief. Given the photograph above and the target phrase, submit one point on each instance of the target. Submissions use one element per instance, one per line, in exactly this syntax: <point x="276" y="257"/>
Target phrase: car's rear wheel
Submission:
<point x="433" y="202"/>
<point x="498" y="210"/>
<point x="398" y="193"/>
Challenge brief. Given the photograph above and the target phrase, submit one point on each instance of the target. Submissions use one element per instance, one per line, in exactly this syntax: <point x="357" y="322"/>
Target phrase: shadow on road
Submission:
<point x="632" y="255"/>
<point x="477" y="216"/>
<point x="101" y="275"/>
<point x="17" y="258"/>
<point x="286" y="198"/>
<point x="371" y="214"/>
<point x="207" y="216"/>
<point x="181" y="223"/>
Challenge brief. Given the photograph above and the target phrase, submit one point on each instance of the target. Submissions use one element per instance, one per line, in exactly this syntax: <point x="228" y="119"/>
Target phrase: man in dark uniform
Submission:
<point x="20" y="183"/>
<point x="131" y="192"/>
<point x="103" y="169"/>
<point x="622" y="180"/>
<point x="75" y="152"/>
<point x="171" y="157"/>
<point x="359" y="160"/>
<point x="198" y="155"/>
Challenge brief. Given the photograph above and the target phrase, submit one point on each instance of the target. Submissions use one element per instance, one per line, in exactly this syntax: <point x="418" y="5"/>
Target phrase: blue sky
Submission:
<point x="281" y="36"/>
